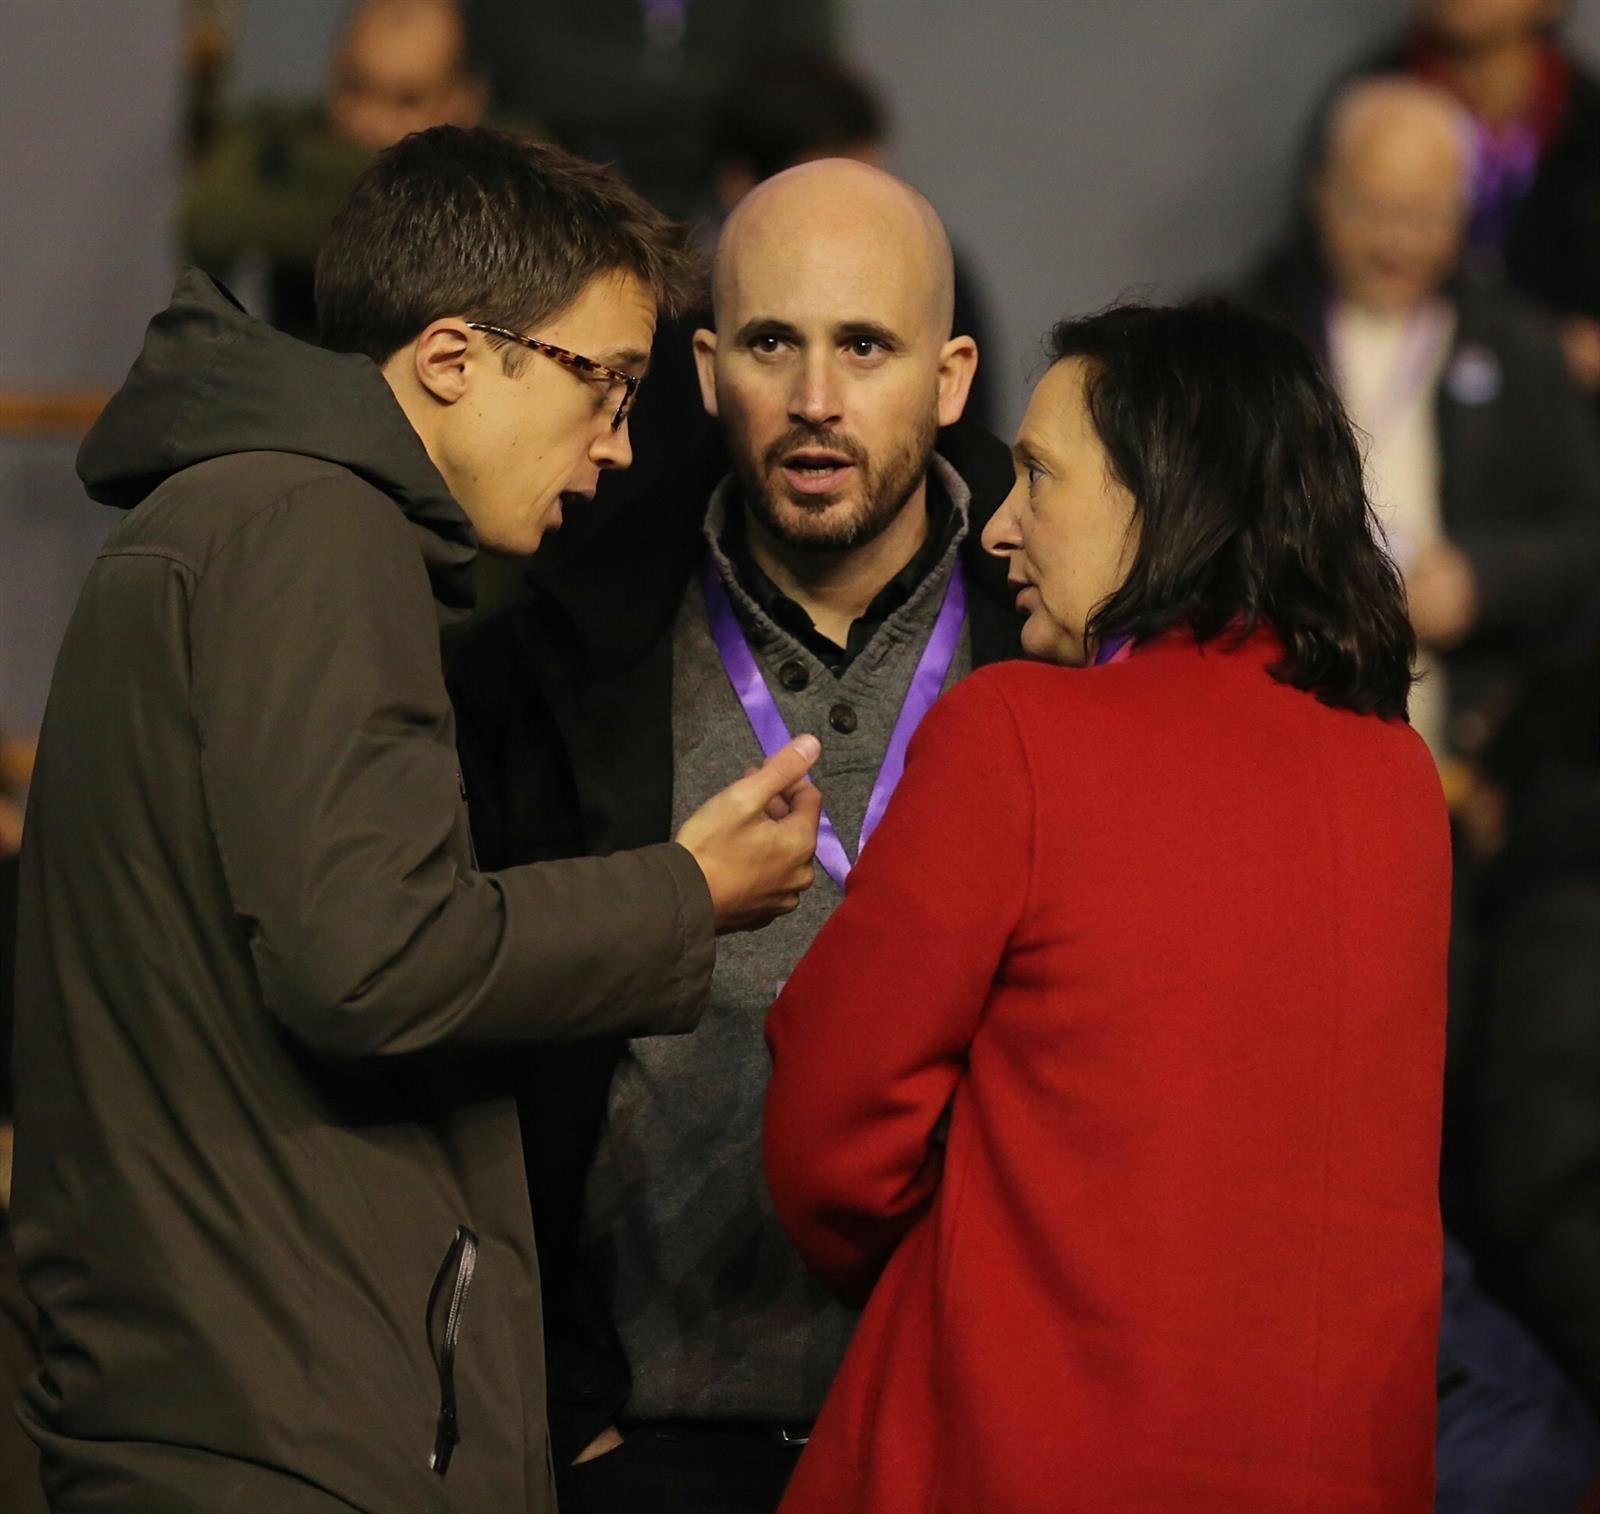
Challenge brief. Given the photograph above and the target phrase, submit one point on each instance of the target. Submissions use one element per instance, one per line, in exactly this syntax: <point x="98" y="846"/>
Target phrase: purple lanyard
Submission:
<point x="773" y="734"/>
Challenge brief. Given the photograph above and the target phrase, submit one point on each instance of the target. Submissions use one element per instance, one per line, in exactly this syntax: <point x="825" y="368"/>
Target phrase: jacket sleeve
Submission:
<point x="870" y="1036"/>
<point x="335" y="799"/>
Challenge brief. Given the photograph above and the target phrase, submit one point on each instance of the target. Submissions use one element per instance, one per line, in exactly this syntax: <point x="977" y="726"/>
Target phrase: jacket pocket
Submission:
<point x="450" y="1289"/>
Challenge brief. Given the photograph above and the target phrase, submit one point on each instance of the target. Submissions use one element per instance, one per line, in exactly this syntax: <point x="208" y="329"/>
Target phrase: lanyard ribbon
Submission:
<point x="761" y="709"/>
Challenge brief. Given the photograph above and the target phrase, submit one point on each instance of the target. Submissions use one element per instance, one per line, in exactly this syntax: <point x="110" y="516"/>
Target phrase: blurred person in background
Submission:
<point x="1536" y="1080"/>
<point x="1514" y="1437"/>
<point x="259" y="201"/>
<point x="1112" y="1088"/>
<point x="1534" y="166"/>
<point x="1485" y="473"/>
<point x="270" y="1199"/>
<point x="636" y="82"/>
<point x="1481" y="459"/>
<point x="840" y="560"/>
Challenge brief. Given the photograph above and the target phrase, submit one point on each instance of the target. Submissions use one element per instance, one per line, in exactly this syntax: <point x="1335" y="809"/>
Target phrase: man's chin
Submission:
<point x="818" y="522"/>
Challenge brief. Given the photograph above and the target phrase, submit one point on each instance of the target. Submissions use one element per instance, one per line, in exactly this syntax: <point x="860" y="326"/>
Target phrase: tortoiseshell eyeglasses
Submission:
<point x="584" y="367"/>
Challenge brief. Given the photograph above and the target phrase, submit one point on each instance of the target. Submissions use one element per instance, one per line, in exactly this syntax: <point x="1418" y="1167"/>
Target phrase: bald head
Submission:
<point x="847" y="212"/>
<point x="402" y="67"/>
<point x="832" y="365"/>
<point x="1395" y="120"/>
<point x="1392" y="196"/>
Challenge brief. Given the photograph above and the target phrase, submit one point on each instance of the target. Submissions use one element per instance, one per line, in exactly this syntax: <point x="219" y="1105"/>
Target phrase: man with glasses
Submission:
<point x="270" y="1200"/>
<point x="832" y="580"/>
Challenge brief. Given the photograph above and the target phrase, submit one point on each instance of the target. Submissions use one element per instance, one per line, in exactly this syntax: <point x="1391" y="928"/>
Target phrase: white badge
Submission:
<point x="1474" y="376"/>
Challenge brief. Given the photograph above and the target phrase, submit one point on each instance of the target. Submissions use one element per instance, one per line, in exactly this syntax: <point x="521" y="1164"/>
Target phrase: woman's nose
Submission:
<point x="1000" y="535"/>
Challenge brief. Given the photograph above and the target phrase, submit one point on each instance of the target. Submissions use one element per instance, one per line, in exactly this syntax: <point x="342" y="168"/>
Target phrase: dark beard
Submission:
<point x="825" y="528"/>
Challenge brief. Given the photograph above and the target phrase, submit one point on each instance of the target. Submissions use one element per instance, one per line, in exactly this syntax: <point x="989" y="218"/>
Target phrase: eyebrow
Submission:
<point x="766" y="325"/>
<point x="872" y="331"/>
<point x="626" y="359"/>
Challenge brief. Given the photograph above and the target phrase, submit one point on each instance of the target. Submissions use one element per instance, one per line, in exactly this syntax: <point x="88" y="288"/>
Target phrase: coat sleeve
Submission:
<point x="335" y="799"/>
<point x="870" y="1036"/>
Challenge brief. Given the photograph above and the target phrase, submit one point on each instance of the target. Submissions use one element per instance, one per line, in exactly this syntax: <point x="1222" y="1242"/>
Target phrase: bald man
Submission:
<point x="401" y="67"/>
<point x="832" y="581"/>
<point x="1534" y="115"/>
<point x="1483" y="467"/>
<point x="257" y="205"/>
<point x="1481" y="460"/>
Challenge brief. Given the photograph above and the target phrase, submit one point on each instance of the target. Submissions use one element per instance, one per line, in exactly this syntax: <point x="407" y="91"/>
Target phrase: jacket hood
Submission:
<point x="212" y="381"/>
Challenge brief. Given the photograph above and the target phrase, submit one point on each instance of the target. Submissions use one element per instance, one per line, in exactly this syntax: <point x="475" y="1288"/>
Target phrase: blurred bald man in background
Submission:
<point x="1481" y="459"/>
<point x="1483" y="466"/>
<point x="833" y="581"/>
<point x="258" y="204"/>
<point x="1533" y="116"/>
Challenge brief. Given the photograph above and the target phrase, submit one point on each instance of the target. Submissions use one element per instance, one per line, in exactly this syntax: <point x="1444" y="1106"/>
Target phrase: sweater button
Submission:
<point x="793" y="676"/>
<point x="842" y="718"/>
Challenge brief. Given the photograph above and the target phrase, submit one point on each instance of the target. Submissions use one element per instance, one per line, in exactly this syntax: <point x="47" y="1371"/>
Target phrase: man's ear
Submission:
<point x="958" y="366"/>
<point x="705" y="363"/>
<point x="443" y="357"/>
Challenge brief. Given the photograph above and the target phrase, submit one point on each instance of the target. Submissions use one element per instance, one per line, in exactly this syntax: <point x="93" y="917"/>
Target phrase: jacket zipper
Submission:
<point x="461" y="1260"/>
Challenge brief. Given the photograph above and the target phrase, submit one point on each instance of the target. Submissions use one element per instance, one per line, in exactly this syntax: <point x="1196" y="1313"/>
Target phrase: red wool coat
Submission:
<point x="1167" y="938"/>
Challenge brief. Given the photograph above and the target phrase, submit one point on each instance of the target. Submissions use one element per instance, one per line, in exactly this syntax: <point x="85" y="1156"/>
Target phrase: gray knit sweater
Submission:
<point x="718" y="1317"/>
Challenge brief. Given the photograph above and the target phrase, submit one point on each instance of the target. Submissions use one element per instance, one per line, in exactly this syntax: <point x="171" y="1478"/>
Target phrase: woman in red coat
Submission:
<point x="1113" y="1087"/>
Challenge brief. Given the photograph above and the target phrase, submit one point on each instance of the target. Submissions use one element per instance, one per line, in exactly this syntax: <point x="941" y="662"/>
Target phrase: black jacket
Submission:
<point x="270" y="1196"/>
<point x="564" y="716"/>
<point x="1519" y="479"/>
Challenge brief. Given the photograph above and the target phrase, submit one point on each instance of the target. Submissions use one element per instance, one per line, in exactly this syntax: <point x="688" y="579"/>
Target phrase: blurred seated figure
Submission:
<point x="258" y="204"/>
<point x="1481" y="459"/>
<point x="1513" y="1436"/>
<point x="1535" y="132"/>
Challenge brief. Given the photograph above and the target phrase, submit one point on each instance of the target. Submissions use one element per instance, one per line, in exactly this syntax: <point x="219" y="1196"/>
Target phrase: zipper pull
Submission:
<point x="444" y="1440"/>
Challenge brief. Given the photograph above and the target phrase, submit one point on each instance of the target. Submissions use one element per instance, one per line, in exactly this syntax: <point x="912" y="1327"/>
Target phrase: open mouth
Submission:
<point x="812" y="470"/>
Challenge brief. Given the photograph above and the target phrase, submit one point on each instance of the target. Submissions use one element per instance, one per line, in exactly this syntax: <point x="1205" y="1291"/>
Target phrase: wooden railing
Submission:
<point x="16" y="765"/>
<point x="49" y="413"/>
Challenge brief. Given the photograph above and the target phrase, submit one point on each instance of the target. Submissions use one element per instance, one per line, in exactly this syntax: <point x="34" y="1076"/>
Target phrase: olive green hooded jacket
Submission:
<point x="270" y="1198"/>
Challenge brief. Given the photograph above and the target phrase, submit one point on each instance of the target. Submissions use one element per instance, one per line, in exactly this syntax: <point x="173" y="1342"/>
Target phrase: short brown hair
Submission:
<point x="489" y="226"/>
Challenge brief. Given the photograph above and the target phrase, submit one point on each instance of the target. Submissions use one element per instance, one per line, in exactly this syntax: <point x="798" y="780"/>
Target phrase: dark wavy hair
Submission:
<point x="1251" y="508"/>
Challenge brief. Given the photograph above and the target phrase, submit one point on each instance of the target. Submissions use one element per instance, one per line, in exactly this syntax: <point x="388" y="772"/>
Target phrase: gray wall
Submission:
<point x="283" y="46"/>
<point x="1080" y="149"/>
<point x="89" y="106"/>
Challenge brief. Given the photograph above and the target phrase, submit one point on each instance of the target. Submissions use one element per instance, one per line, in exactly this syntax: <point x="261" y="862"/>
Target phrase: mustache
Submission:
<point x="806" y="436"/>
